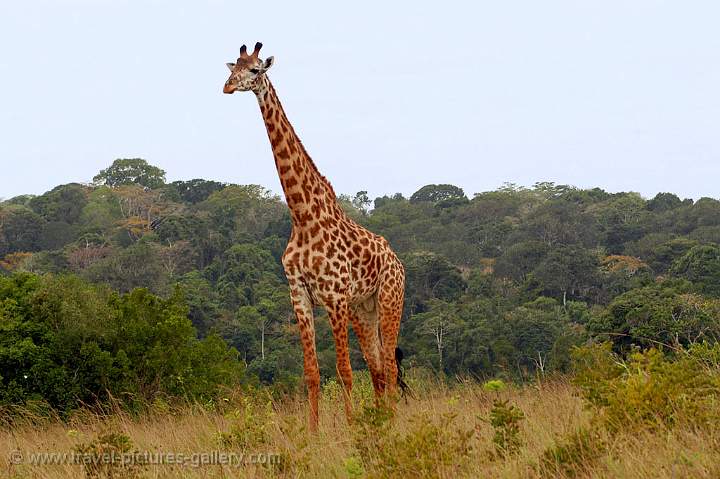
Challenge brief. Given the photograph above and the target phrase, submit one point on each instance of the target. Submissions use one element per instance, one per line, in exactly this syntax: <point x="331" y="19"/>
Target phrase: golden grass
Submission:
<point x="552" y="410"/>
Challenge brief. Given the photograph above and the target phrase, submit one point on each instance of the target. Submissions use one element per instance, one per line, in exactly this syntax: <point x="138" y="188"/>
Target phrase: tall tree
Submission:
<point x="129" y="171"/>
<point x="443" y="195"/>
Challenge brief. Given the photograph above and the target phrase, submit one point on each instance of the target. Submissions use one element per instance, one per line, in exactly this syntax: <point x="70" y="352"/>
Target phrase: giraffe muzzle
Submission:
<point x="228" y="89"/>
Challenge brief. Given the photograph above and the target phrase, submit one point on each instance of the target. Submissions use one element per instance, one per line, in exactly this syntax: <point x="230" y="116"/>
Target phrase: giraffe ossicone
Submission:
<point x="330" y="260"/>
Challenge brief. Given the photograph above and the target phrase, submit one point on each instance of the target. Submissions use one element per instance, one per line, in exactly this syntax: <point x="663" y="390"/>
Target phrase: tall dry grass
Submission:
<point x="552" y="409"/>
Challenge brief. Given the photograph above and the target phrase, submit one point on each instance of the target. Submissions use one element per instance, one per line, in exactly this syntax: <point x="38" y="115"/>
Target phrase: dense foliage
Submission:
<point x="66" y="342"/>
<point x="503" y="283"/>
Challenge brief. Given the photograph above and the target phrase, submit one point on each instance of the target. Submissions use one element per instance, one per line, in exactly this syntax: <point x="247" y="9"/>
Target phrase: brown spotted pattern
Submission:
<point x="333" y="262"/>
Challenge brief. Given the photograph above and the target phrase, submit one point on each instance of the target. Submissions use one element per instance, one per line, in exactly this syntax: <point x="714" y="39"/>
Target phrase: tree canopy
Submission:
<point x="502" y="283"/>
<point x="131" y="171"/>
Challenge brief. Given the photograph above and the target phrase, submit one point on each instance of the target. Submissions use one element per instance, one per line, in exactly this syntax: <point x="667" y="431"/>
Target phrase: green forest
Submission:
<point x="133" y="287"/>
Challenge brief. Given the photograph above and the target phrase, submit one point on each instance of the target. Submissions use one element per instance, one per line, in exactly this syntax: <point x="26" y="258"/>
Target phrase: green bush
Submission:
<point x="658" y="314"/>
<point x="427" y="449"/>
<point x="494" y="385"/>
<point x="250" y="424"/>
<point x="646" y="390"/>
<point x="505" y="419"/>
<point x="63" y="340"/>
<point x="651" y="388"/>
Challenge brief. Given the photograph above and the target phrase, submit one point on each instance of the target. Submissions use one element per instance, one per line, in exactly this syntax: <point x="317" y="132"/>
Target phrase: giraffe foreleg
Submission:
<point x="304" y="313"/>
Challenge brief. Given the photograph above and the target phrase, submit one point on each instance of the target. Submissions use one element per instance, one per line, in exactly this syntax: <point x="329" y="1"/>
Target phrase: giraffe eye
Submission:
<point x="254" y="71"/>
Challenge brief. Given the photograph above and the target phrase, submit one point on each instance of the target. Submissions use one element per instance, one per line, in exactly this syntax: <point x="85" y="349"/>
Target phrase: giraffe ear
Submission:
<point x="268" y="63"/>
<point x="230" y="66"/>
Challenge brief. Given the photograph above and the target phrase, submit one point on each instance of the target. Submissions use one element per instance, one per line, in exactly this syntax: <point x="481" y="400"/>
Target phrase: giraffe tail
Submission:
<point x="404" y="388"/>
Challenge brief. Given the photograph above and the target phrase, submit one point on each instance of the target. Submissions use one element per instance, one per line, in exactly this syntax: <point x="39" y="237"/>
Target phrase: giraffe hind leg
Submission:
<point x="365" y="324"/>
<point x="390" y="308"/>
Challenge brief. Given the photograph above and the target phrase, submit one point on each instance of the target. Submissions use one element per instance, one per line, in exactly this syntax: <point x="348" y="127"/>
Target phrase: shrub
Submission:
<point x="494" y="385"/>
<point x="363" y="392"/>
<point x="110" y="455"/>
<point x="573" y="455"/>
<point x="65" y="340"/>
<point x="353" y="467"/>
<point x="651" y="388"/>
<point x="371" y="431"/>
<point x="595" y="368"/>
<point x="250" y="424"/>
<point x="427" y="449"/>
<point x="505" y="419"/>
<point x="708" y="354"/>
<point x="661" y="313"/>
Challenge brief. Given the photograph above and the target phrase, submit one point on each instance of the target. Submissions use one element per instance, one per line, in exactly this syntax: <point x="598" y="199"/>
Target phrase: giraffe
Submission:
<point x="330" y="260"/>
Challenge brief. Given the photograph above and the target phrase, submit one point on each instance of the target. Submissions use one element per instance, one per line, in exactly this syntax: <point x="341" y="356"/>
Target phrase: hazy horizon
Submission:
<point x="386" y="98"/>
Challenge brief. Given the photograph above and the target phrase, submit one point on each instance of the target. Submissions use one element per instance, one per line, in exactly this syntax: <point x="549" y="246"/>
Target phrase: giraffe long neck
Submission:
<point x="307" y="192"/>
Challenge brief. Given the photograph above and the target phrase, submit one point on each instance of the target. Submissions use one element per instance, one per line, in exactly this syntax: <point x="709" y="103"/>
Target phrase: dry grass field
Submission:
<point x="444" y="431"/>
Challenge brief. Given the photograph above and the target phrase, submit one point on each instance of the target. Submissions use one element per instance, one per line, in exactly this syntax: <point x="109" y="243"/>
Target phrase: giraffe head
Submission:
<point x="247" y="71"/>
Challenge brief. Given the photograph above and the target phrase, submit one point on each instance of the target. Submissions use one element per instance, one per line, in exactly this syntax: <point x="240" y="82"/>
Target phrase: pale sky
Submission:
<point x="386" y="96"/>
